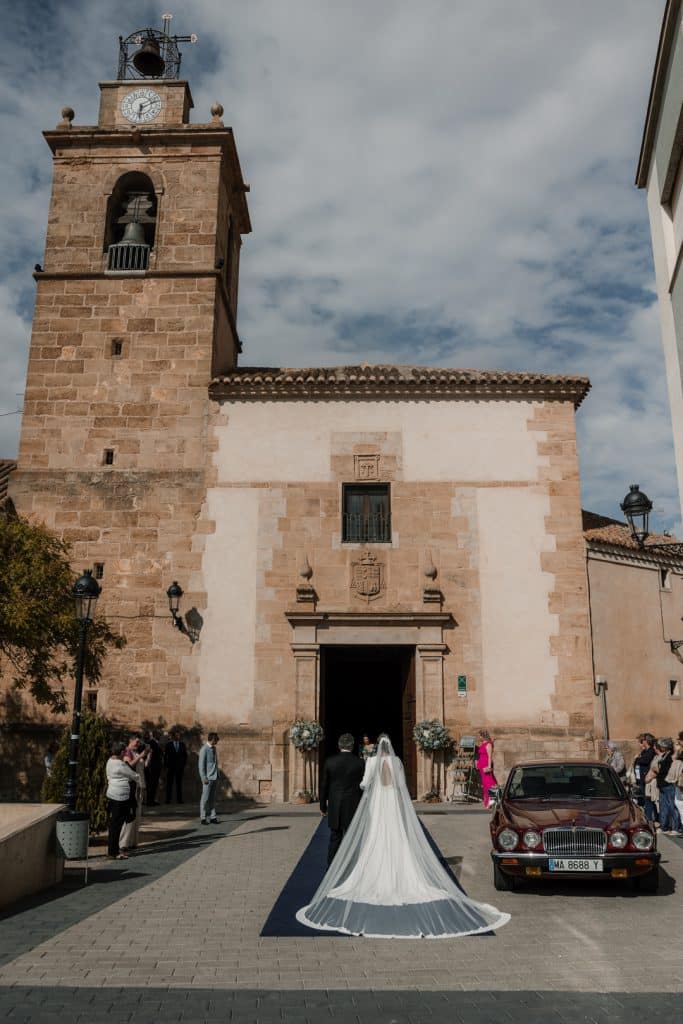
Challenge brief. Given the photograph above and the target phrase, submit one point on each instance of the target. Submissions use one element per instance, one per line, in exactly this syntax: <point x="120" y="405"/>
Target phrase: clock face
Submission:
<point x="141" y="105"/>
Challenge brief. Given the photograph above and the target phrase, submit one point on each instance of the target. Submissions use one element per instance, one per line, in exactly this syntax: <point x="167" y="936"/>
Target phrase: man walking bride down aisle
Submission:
<point x="385" y="881"/>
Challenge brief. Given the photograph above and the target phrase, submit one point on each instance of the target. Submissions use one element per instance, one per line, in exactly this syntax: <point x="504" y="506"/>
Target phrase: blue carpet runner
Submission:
<point x="299" y="889"/>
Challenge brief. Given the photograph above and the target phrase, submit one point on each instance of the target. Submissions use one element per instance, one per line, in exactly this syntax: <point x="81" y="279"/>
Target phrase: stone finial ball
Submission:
<point x="217" y="110"/>
<point x="68" y="113"/>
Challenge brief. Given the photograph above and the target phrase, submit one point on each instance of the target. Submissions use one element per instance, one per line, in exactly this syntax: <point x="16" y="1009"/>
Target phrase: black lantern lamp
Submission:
<point x="174" y="593"/>
<point x="85" y="593"/>
<point x="636" y="506"/>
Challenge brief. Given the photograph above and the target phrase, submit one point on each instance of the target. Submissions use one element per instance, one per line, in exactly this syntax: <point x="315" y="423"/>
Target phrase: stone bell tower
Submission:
<point x="135" y="312"/>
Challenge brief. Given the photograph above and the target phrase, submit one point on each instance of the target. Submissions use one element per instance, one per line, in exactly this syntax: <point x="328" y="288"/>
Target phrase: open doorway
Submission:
<point x="370" y="690"/>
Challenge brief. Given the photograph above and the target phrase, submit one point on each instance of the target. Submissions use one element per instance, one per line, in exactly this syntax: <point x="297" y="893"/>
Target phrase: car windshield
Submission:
<point x="564" y="781"/>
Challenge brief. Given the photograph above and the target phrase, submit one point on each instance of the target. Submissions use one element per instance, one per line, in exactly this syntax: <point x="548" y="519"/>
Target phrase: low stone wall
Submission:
<point x="28" y="850"/>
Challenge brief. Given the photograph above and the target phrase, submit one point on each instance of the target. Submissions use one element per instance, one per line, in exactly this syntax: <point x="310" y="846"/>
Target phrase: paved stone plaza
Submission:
<point x="173" y="934"/>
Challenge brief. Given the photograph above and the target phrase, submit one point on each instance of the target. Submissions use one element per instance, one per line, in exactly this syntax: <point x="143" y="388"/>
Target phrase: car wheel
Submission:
<point x="648" y="882"/>
<point x="501" y="881"/>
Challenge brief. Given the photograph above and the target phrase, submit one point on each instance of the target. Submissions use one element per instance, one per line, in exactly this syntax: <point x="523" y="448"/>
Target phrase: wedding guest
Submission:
<point x="615" y="759"/>
<point x="153" y="768"/>
<point x="641" y="765"/>
<point x="131" y="829"/>
<point x="484" y="764"/>
<point x="669" y="819"/>
<point x="208" y="773"/>
<point x="677" y="772"/>
<point x="175" y="756"/>
<point x="367" y="748"/>
<point x="651" y="807"/>
<point x="52" y="749"/>
<point x="119" y="779"/>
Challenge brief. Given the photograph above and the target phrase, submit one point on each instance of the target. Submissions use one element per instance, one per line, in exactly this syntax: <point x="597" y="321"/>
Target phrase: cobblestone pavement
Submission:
<point x="174" y="933"/>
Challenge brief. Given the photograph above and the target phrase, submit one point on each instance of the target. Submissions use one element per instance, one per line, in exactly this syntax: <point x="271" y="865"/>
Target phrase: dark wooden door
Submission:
<point x="408" y="714"/>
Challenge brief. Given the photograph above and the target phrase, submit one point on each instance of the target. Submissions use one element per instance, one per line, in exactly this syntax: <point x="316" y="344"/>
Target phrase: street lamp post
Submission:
<point x="85" y="593"/>
<point x="636" y="506"/>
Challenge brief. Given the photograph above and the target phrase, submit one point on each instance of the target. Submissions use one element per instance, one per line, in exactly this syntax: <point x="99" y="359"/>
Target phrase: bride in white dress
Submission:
<point x="386" y="881"/>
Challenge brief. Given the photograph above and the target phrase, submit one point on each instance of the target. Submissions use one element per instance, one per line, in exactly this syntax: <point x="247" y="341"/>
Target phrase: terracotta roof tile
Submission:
<point x="616" y="534"/>
<point x="368" y="381"/>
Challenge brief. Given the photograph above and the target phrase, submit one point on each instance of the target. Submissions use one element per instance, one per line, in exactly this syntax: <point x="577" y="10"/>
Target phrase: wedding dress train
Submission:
<point x="386" y="881"/>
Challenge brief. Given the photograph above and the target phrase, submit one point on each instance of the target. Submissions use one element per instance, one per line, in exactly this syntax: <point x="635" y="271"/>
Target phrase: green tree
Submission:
<point x="93" y="752"/>
<point x="38" y="630"/>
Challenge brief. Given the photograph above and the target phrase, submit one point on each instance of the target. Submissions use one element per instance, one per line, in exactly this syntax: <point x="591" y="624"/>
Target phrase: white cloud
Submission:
<point x="455" y="178"/>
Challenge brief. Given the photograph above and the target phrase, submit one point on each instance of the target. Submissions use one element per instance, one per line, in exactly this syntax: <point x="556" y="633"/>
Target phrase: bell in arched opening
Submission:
<point x="132" y="251"/>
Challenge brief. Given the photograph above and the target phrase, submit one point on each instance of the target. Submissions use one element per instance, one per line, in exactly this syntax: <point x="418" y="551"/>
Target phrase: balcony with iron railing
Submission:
<point x="366" y="528"/>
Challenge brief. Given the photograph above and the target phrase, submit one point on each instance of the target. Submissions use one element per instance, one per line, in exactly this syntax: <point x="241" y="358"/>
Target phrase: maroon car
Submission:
<point x="570" y="819"/>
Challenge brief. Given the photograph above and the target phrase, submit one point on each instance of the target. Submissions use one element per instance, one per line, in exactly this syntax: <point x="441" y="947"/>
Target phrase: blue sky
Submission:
<point x="446" y="183"/>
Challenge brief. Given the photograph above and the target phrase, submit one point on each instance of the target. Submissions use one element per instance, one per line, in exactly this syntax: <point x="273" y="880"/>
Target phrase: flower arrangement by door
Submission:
<point x="433" y="738"/>
<point x="306" y="735"/>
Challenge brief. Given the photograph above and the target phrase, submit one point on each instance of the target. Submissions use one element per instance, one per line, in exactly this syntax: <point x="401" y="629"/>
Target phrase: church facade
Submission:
<point x="366" y="546"/>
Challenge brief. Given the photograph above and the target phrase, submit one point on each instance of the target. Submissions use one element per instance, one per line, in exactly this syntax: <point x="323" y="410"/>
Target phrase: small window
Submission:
<point x="116" y="348"/>
<point x="91" y="700"/>
<point x="674" y="689"/>
<point x="99" y="570"/>
<point x="109" y="456"/>
<point x="665" y="579"/>
<point x="366" y="514"/>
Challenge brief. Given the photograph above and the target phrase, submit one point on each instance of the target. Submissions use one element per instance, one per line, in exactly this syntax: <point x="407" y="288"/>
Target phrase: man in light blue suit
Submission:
<point x="208" y="773"/>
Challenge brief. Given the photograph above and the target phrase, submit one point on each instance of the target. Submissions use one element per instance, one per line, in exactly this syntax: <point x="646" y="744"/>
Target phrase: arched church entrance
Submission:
<point x="370" y="689"/>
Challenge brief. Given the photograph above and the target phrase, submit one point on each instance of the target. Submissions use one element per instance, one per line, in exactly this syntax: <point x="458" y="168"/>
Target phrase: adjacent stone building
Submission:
<point x="636" y="602"/>
<point x="365" y="545"/>
<point x="660" y="172"/>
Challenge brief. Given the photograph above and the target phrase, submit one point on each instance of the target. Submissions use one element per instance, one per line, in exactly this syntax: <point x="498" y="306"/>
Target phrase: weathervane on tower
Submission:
<point x="151" y="52"/>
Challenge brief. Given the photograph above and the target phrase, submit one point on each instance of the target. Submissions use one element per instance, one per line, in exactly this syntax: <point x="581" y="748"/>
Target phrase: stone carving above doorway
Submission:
<point x="367" y="577"/>
<point x="366" y="467"/>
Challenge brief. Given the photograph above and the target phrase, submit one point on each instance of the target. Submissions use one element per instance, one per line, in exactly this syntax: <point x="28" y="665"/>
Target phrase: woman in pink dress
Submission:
<point x="485" y="763"/>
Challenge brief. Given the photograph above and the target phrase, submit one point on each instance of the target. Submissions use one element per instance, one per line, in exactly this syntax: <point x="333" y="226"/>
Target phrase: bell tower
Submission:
<point x="135" y="312"/>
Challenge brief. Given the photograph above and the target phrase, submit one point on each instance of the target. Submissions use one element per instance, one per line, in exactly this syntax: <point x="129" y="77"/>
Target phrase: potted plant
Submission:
<point x="432" y="737"/>
<point x="306" y="735"/>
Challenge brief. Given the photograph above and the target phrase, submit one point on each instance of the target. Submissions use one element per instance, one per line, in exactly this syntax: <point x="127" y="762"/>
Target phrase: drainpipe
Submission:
<point x="599" y="682"/>
<point x="600" y="690"/>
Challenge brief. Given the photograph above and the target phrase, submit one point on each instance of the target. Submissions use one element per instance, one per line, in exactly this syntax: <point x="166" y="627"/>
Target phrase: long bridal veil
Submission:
<point x="386" y="881"/>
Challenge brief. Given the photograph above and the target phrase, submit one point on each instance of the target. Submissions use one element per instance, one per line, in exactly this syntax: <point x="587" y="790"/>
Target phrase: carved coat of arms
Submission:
<point x="367" y="576"/>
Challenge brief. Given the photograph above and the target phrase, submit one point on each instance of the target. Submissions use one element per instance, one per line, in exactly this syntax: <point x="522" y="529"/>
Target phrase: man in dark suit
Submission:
<point x="340" y="791"/>
<point x="152" y="768"/>
<point x="176" y="759"/>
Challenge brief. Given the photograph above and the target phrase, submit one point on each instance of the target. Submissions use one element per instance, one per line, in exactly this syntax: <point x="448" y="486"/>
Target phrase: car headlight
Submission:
<point x="531" y="839"/>
<point x="618" y="840"/>
<point x="507" y="839"/>
<point x="642" y="840"/>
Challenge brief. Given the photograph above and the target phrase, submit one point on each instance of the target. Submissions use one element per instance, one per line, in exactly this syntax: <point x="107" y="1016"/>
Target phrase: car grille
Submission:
<point x="574" y="842"/>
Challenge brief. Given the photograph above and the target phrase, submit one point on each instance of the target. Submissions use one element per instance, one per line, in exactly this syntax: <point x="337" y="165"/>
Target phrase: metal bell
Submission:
<point x="134" y="234"/>
<point x="148" y="60"/>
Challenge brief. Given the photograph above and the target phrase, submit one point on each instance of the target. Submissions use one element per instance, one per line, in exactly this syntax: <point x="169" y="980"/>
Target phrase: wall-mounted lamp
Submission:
<point x="174" y="593"/>
<point x="190" y="624"/>
<point x="636" y="506"/>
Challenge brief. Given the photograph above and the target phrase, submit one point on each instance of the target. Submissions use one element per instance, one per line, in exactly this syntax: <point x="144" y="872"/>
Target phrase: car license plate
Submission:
<point x="574" y="864"/>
